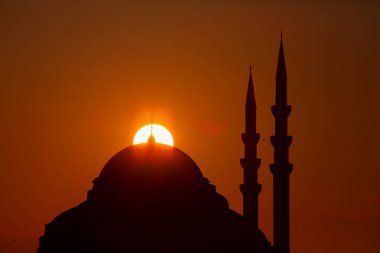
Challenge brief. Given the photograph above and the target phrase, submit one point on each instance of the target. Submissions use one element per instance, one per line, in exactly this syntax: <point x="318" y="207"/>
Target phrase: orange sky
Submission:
<point x="78" y="78"/>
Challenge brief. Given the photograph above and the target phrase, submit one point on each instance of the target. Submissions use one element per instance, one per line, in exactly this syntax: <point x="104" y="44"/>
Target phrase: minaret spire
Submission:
<point x="250" y="101"/>
<point x="250" y="163"/>
<point x="281" y="78"/>
<point x="281" y="168"/>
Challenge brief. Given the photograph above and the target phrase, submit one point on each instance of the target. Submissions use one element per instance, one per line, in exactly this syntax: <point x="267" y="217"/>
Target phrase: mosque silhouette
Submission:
<point x="153" y="198"/>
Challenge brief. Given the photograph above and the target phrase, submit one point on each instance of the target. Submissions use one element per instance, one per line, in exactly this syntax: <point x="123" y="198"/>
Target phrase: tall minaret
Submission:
<point x="250" y="163"/>
<point x="281" y="168"/>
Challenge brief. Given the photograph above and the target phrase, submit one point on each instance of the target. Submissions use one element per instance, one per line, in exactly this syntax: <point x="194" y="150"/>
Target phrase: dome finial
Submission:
<point x="151" y="138"/>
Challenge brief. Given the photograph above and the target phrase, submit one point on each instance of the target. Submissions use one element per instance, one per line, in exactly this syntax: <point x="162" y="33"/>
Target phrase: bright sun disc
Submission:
<point x="160" y="133"/>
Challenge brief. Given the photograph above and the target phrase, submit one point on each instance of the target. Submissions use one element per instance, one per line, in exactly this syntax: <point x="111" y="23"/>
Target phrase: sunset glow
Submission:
<point x="160" y="133"/>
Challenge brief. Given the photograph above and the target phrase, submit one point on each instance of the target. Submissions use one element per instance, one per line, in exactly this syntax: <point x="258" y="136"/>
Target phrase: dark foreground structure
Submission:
<point x="153" y="198"/>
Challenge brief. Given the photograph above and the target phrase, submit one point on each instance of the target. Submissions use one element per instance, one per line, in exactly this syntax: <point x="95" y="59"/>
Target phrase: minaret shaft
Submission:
<point x="281" y="168"/>
<point x="250" y="163"/>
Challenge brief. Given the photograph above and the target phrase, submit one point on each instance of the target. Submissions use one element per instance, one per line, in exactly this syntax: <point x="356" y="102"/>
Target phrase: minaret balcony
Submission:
<point x="250" y="164"/>
<point x="278" y="110"/>
<point x="281" y="140"/>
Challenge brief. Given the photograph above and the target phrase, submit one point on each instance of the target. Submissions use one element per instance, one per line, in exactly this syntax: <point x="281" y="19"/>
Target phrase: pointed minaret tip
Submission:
<point x="281" y="68"/>
<point x="250" y="101"/>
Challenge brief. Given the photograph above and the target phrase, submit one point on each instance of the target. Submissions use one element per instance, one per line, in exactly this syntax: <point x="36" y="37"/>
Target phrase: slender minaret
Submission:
<point x="281" y="168"/>
<point x="250" y="163"/>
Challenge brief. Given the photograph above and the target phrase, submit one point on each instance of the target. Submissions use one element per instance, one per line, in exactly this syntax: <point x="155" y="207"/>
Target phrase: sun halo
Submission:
<point x="160" y="134"/>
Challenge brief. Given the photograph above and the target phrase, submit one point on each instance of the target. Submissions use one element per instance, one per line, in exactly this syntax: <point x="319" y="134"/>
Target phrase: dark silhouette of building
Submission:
<point x="153" y="198"/>
<point x="281" y="168"/>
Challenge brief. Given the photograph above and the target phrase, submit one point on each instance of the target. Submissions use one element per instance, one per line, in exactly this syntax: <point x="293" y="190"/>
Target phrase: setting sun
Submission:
<point x="160" y="133"/>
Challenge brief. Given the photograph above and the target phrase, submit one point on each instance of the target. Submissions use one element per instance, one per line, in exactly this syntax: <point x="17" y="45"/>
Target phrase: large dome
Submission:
<point x="147" y="170"/>
<point x="150" y="161"/>
<point x="150" y="172"/>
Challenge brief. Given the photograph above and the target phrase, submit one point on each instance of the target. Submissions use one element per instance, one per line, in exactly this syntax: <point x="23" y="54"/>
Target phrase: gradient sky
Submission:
<point x="78" y="79"/>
